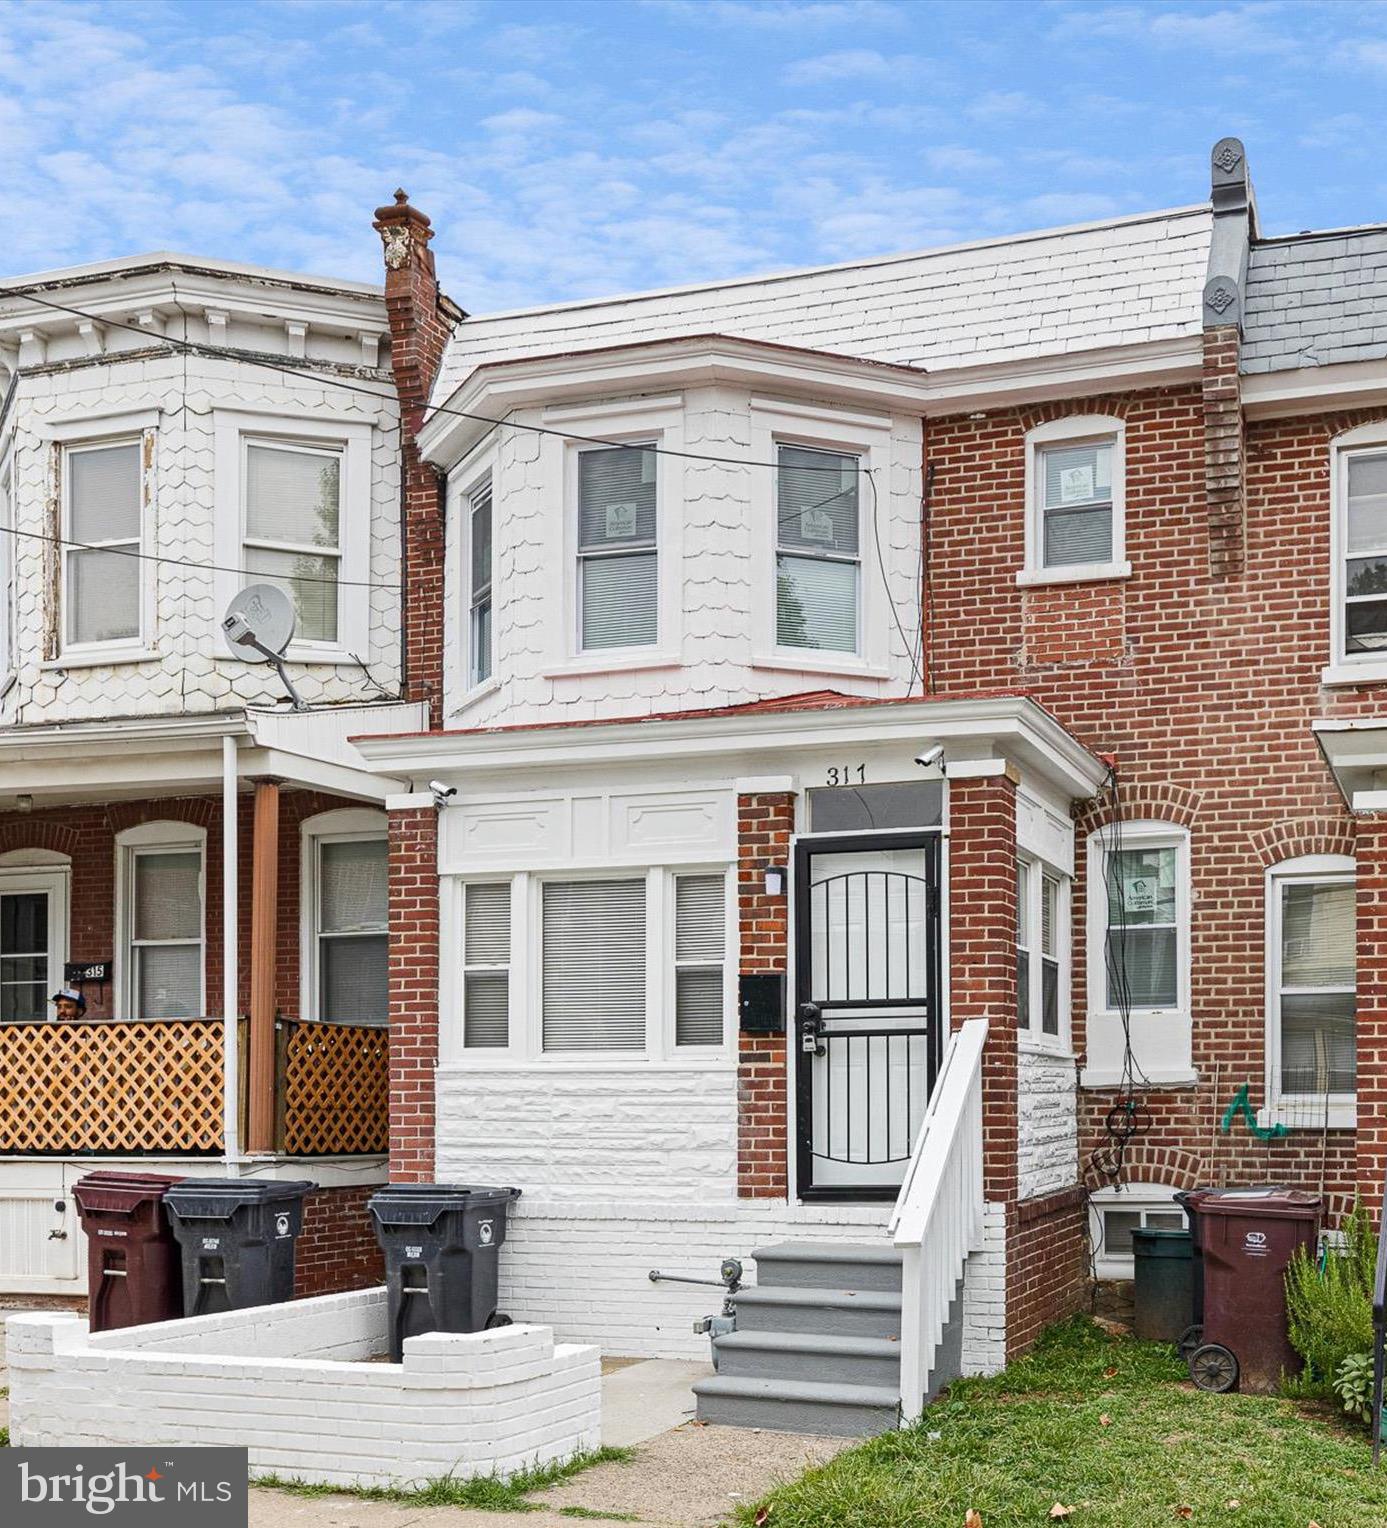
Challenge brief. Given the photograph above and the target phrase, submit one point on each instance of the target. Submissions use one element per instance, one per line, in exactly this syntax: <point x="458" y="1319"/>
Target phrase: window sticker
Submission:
<point x="621" y="521"/>
<point x="1139" y="893"/>
<point x="1076" y="484"/>
<point x="816" y="525"/>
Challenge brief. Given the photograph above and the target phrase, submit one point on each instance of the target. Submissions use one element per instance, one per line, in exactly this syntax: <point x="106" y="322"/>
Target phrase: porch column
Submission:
<point x="413" y="987"/>
<point x="264" y="921"/>
<point x="1371" y="1018"/>
<point x="765" y="821"/>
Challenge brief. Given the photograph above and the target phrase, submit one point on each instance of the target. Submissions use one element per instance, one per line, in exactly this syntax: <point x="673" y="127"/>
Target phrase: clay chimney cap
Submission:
<point x="401" y="212"/>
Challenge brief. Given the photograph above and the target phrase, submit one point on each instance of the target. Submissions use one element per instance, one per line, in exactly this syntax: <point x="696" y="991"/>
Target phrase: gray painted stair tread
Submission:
<point x="800" y="1391"/>
<point x="810" y="1342"/>
<point x="829" y="1299"/>
<point x="829" y="1252"/>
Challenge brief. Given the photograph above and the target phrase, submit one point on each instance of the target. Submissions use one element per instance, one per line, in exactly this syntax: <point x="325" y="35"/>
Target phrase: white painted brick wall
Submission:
<point x="486" y="1402"/>
<point x="1047" y="1122"/>
<point x="985" y="1298"/>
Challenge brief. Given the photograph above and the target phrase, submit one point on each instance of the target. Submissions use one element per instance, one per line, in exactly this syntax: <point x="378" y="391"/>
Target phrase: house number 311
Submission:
<point x="847" y="774"/>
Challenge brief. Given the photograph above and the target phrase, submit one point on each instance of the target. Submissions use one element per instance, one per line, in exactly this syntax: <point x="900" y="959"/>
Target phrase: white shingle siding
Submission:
<point x="1006" y="300"/>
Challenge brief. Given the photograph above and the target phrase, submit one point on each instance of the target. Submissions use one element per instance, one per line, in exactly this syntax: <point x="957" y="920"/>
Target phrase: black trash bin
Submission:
<point x="237" y="1236"/>
<point x="1163" y="1294"/>
<point x="441" y="1243"/>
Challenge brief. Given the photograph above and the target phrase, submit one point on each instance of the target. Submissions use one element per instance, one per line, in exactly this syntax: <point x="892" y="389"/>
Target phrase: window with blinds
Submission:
<point x="1316" y="985"/>
<point x="102" y="578"/>
<point x="165" y="933"/>
<point x="486" y="964"/>
<point x="618" y="583"/>
<point x="1039" y="908"/>
<point x="817" y="549"/>
<point x="353" y="919"/>
<point x="1076" y="503"/>
<point x="1365" y="552"/>
<point x="1049" y="954"/>
<point x="593" y="951"/>
<point x="292" y="529"/>
<point x="1024" y="878"/>
<point x="700" y="924"/>
<point x="479" y="616"/>
<point x="1143" y="933"/>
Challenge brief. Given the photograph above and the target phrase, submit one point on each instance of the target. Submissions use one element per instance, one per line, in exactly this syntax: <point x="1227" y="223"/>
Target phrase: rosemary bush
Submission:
<point x="1330" y="1308"/>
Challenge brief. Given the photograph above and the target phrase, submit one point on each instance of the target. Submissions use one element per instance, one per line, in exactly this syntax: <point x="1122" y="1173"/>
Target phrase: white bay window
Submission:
<point x="103" y="578"/>
<point x="293" y="529"/>
<point x="618" y="560"/>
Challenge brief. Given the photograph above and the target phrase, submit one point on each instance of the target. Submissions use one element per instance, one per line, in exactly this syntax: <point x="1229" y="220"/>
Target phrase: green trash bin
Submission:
<point x="1163" y="1298"/>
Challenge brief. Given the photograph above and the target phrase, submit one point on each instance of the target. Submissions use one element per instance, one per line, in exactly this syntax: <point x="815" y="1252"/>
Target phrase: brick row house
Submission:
<point x="824" y="661"/>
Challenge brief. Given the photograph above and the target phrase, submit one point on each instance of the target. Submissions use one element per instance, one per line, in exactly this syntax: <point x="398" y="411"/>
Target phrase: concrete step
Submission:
<point x="823" y="1312"/>
<point x="802" y="1406"/>
<point x="829" y="1265"/>
<point x="807" y="1356"/>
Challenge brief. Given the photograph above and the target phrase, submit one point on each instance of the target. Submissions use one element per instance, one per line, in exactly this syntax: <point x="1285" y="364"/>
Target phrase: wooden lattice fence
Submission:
<point x="334" y="1088"/>
<point x="140" y="1085"/>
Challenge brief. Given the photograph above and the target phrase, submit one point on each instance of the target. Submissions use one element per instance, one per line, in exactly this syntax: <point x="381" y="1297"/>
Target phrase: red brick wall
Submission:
<point x="1047" y="1269"/>
<point x="413" y="992"/>
<point x="337" y="1248"/>
<point x="764" y="825"/>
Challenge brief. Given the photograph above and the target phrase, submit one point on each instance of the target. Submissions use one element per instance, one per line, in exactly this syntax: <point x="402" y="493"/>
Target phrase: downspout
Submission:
<point x="231" y="963"/>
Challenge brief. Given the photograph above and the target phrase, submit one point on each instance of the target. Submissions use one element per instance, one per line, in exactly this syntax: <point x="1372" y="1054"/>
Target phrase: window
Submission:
<point x="1041" y="920"/>
<point x="1114" y="1213"/>
<point x="486" y="964"/>
<point x="1312" y="979"/>
<point x="102" y="581"/>
<point x="479" y="617"/>
<point x="1075" y="500"/>
<point x="1364" y="553"/>
<point x="7" y="561"/>
<point x="161" y="920"/>
<point x="593" y="955"/>
<point x="352" y="954"/>
<point x="817" y="549"/>
<point x="293" y="529"/>
<point x="700" y="925"/>
<point x="1139" y="952"/>
<point x="618" y="573"/>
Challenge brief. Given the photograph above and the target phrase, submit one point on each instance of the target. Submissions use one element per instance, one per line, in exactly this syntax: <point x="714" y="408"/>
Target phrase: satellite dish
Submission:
<point x="259" y="626"/>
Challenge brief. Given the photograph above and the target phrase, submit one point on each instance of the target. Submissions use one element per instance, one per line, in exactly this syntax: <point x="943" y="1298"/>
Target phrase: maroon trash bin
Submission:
<point x="133" y="1264"/>
<point x="1247" y="1237"/>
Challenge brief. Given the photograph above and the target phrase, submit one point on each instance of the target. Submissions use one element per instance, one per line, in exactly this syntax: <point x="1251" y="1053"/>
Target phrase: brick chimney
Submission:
<point x="421" y="320"/>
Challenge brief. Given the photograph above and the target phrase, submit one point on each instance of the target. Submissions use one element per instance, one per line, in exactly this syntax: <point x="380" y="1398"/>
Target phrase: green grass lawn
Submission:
<point x="1108" y="1427"/>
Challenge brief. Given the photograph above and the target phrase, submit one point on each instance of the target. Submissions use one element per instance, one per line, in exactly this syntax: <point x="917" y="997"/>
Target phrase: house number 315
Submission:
<point x="847" y="774"/>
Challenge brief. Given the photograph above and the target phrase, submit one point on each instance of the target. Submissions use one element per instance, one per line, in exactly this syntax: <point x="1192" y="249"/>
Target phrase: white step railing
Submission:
<point x="938" y="1217"/>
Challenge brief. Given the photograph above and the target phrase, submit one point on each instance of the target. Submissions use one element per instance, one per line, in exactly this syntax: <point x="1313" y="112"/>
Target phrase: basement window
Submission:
<point x="1114" y="1213"/>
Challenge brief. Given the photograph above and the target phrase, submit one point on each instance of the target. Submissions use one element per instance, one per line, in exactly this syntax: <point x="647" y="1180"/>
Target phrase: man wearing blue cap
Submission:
<point x="68" y="1004"/>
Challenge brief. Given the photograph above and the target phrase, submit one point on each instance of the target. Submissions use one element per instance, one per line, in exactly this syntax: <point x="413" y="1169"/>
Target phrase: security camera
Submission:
<point x="931" y="757"/>
<point x="441" y="791"/>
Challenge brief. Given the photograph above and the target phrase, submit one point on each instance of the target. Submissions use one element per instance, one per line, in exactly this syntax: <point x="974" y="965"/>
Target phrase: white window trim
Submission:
<point x="163" y="835"/>
<point x="44" y="870"/>
<point x="475" y="680"/>
<point x="100" y="435"/>
<point x="1291" y="1108"/>
<point x="867" y="437"/>
<point x="463" y="481"/>
<point x="1344" y="667"/>
<point x="1077" y="429"/>
<point x="1033" y="1036"/>
<point x="232" y="429"/>
<point x="348" y="825"/>
<point x="1161" y="1037"/>
<point x="526" y="977"/>
<point x="578" y="560"/>
<point x="1135" y="1197"/>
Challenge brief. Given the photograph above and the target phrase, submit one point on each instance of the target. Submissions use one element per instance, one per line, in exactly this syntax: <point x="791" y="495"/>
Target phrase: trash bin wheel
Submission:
<point x="1191" y="1338"/>
<point x="1213" y="1367"/>
<point x="497" y="1319"/>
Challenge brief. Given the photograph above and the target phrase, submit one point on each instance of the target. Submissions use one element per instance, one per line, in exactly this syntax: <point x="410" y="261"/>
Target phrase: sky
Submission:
<point x="572" y="148"/>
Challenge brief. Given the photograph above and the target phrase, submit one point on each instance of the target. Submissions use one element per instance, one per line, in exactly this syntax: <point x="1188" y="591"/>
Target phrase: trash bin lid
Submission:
<point x="1153" y="1241"/>
<point x="1268" y="1199"/>
<point x="110" y="1190"/>
<point x="219" y="1198"/>
<point x="420" y="1204"/>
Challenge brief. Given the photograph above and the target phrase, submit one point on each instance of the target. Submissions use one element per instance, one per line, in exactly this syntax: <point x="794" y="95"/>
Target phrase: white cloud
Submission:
<point x="993" y="105"/>
<point x="853" y="64"/>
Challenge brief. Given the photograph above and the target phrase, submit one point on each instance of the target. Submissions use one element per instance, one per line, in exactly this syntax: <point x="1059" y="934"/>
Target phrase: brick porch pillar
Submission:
<point x="413" y="991"/>
<point x="765" y="822"/>
<point x="1371" y="1021"/>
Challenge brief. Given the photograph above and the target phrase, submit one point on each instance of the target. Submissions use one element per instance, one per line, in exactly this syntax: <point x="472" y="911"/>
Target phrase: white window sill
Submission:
<point x="1366" y="671"/>
<point x="101" y="658"/>
<point x="1309" y="1114"/>
<point x="1114" y="1268"/>
<point x="334" y="657"/>
<point x="1051" y="1046"/>
<point x="1086" y="573"/>
<point x="478" y="692"/>
<point x="616" y="660"/>
<point x="813" y="660"/>
<point x="466" y="1062"/>
<point x="1145" y="1077"/>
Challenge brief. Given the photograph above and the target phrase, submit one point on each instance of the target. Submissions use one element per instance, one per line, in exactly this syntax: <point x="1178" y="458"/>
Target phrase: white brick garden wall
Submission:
<point x="290" y="1383"/>
<point x="1047" y="1122"/>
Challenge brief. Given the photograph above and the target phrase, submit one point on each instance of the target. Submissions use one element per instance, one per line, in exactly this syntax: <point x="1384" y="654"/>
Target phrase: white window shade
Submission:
<point x="353" y="945"/>
<point x="293" y="530"/>
<point x="166" y="919"/>
<point x="103" y="578"/>
<point x="617" y="536"/>
<point x="594" y="965"/>
<point x="355" y="886"/>
<point x="486" y="962"/>
<point x="168" y="896"/>
<point x="105" y="489"/>
<point x="699" y="942"/>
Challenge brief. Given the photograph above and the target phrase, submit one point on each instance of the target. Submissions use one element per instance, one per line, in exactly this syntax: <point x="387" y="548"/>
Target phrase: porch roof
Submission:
<point x="979" y="733"/>
<point x="1355" y="748"/>
<point x="125" y="758"/>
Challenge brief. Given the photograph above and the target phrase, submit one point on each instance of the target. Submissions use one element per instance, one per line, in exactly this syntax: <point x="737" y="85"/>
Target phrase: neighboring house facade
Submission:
<point x="172" y="430"/>
<point x="850" y="627"/>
